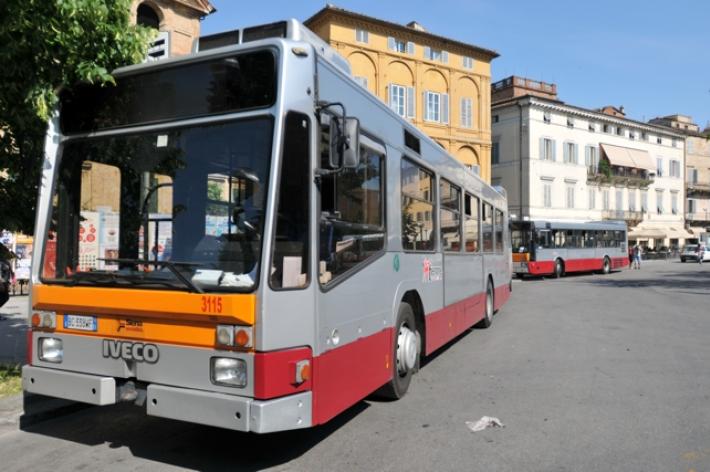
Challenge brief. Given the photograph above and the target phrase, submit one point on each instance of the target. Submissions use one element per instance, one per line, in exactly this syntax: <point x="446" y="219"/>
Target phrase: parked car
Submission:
<point x="690" y="253"/>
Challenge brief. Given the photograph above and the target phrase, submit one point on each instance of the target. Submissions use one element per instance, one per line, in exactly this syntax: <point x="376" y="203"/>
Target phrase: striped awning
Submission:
<point x="628" y="157"/>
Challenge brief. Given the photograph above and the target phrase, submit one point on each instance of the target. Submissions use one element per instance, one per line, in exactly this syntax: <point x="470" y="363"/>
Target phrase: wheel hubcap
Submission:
<point x="489" y="305"/>
<point x="406" y="349"/>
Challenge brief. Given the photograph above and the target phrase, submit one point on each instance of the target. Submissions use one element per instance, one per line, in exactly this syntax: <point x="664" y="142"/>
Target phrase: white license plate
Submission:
<point x="80" y="322"/>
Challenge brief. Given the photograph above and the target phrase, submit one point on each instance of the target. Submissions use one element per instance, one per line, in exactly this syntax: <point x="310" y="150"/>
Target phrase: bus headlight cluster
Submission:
<point x="44" y="319"/>
<point x="228" y="372"/>
<point x="234" y="336"/>
<point x="51" y="350"/>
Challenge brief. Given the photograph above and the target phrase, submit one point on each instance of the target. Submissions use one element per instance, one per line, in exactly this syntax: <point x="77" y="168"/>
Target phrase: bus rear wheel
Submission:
<point x="606" y="266"/>
<point x="559" y="269"/>
<point x="487" y="320"/>
<point x="406" y="349"/>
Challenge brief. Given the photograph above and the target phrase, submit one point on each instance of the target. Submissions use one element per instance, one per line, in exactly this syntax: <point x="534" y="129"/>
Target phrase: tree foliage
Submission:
<point x="49" y="44"/>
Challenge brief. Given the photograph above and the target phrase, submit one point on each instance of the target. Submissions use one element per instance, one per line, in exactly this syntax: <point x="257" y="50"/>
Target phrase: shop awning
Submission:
<point x="647" y="233"/>
<point x="671" y="232"/>
<point x="628" y="157"/>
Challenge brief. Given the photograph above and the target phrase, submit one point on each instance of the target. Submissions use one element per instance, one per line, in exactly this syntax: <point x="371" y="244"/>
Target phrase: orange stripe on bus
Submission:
<point x="173" y="305"/>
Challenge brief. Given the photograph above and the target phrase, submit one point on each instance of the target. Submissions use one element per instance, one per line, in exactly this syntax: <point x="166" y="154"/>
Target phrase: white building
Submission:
<point x="562" y="162"/>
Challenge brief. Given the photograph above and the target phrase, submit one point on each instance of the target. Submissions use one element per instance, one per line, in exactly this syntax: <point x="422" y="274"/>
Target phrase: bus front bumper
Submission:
<point x="196" y="406"/>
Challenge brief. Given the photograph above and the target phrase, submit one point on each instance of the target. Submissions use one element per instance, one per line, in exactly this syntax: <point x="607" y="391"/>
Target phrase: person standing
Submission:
<point x="637" y="257"/>
<point x="701" y="253"/>
<point x="5" y="279"/>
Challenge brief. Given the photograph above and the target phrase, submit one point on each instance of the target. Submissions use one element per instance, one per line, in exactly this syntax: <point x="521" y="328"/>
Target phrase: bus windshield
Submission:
<point x="180" y="208"/>
<point x="521" y="236"/>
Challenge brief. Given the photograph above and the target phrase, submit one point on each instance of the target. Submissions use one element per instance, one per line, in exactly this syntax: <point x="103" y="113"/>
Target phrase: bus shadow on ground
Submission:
<point x="695" y="282"/>
<point x="187" y="445"/>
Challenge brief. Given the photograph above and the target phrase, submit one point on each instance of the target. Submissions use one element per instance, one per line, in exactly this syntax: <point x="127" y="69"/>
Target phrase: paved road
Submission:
<point x="13" y="329"/>
<point x="600" y="373"/>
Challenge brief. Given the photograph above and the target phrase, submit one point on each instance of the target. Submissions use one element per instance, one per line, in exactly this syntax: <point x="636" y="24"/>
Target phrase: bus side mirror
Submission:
<point x="344" y="143"/>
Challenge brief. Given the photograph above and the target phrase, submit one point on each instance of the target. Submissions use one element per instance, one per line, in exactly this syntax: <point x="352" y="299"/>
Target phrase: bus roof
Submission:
<point x="582" y="225"/>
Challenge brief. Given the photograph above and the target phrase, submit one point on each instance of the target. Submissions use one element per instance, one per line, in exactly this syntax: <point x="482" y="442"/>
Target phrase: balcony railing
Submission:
<point x="698" y="187"/>
<point x="628" y="216"/>
<point x="620" y="176"/>
<point x="698" y="216"/>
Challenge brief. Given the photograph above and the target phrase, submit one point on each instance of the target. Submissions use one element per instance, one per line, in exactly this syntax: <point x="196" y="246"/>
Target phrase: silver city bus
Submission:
<point x="246" y="238"/>
<point x="559" y="247"/>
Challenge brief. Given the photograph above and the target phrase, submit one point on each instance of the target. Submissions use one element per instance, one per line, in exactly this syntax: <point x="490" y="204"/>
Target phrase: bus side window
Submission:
<point x="450" y="216"/>
<point x="471" y="225"/>
<point x="417" y="208"/>
<point x="499" y="230"/>
<point x="352" y="216"/>
<point x="487" y="227"/>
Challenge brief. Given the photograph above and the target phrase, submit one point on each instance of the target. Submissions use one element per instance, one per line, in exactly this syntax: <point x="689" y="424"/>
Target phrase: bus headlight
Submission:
<point x="51" y="350"/>
<point x="228" y="372"/>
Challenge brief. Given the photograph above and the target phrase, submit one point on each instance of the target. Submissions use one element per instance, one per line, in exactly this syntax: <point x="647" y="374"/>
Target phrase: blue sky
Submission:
<point x="652" y="57"/>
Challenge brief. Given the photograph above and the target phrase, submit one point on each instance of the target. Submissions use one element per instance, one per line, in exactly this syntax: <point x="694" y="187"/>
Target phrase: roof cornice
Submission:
<point x="562" y="107"/>
<point x="336" y="12"/>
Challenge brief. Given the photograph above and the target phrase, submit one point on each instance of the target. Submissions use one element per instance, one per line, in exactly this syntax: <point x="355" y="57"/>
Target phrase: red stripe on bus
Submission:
<point x="275" y="372"/>
<point x="575" y="265"/>
<point x="541" y="267"/>
<point x="501" y="295"/>
<point x="444" y="325"/>
<point x="345" y="375"/>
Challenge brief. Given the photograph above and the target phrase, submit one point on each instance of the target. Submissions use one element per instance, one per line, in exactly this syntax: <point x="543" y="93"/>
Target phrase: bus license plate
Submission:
<point x="83" y="323"/>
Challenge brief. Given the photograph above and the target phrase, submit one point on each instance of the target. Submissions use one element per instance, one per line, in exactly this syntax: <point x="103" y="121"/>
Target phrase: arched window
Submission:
<point x="146" y="16"/>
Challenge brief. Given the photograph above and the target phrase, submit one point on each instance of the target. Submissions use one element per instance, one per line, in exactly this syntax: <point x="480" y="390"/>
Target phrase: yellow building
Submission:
<point x="441" y="85"/>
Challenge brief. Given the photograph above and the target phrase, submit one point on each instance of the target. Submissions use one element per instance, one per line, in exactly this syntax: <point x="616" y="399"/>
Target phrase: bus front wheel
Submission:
<point x="606" y="267"/>
<point x="406" y="349"/>
<point x="559" y="269"/>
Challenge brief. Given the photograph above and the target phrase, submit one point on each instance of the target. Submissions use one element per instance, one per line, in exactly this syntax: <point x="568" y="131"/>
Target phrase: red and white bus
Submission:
<point x="560" y="247"/>
<point x="260" y="256"/>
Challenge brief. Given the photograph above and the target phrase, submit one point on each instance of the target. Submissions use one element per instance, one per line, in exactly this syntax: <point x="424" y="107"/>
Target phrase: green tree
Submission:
<point x="49" y="44"/>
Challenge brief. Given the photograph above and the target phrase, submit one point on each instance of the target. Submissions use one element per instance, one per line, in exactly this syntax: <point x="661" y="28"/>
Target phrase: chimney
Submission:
<point x="416" y="26"/>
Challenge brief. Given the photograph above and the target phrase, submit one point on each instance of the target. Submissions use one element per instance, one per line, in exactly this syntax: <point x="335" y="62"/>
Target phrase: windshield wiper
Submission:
<point x="171" y="265"/>
<point x="112" y="278"/>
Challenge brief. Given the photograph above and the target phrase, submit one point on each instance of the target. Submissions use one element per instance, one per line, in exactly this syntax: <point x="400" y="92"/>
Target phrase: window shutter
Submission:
<point x="390" y="43"/>
<point x="462" y="116"/>
<point x="445" y="108"/>
<point x="588" y="156"/>
<point x="444" y="57"/>
<point x="411" y="103"/>
<point x="542" y="148"/>
<point x="576" y="158"/>
<point x="554" y="150"/>
<point x="410" y="47"/>
<point x="427" y="52"/>
<point x="565" y="153"/>
<point x="390" y="100"/>
<point x="425" y="105"/>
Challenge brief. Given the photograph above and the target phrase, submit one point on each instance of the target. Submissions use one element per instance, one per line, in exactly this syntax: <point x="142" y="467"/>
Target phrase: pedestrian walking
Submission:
<point x="701" y="253"/>
<point x="637" y="257"/>
<point x="5" y="274"/>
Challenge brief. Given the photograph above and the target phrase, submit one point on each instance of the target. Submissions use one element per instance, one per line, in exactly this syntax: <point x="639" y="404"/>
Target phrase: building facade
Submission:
<point x="177" y="20"/>
<point x="697" y="171"/>
<point x="439" y="84"/>
<point x="561" y="162"/>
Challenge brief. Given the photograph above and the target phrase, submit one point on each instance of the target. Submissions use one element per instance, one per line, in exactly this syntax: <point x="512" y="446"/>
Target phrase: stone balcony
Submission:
<point x="698" y="217"/>
<point x="620" y="177"/>
<point x="632" y="218"/>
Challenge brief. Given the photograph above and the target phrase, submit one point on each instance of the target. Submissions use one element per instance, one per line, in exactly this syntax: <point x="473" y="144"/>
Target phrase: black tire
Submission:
<point x="606" y="266"/>
<point x="682" y="259"/>
<point x="559" y="269"/>
<point x="487" y="320"/>
<point x="398" y="386"/>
